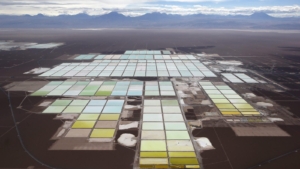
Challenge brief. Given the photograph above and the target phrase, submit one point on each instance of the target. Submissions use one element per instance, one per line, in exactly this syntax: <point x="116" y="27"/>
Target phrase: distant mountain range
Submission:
<point x="152" y="20"/>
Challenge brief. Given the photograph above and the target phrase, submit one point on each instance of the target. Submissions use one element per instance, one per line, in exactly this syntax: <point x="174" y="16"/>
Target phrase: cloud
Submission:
<point x="133" y="8"/>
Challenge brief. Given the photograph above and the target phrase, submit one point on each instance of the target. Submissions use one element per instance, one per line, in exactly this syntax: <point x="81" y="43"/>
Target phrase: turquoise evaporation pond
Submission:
<point x="93" y="109"/>
<point x="97" y="102"/>
<point x="115" y="103"/>
<point x="112" y="109"/>
<point x="119" y="93"/>
<point x="134" y="93"/>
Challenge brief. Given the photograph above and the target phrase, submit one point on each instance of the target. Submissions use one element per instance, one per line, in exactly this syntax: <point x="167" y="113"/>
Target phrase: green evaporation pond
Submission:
<point x="232" y="96"/>
<point x="93" y="109"/>
<point x="167" y="93"/>
<point x="152" y="126"/>
<point x="205" y="83"/>
<point x="54" y="109"/>
<point x="151" y="87"/>
<point x="73" y="109"/>
<point x="223" y="87"/>
<point x="177" y="135"/>
<point x="152" y="93"/>
<point x="166" y="88"/>
<point x="103" y="93"/>
<point x="169" y="102"/>
<point x="61" y="102"/>
<point x="88" y="117"/>
<point x="87" y="93"/>
<point x="40" y="93"/>
<point x="209" y="88"/>
<point x="175" y="126"/>
<point x="216" y="96"/>
<point x="79" y="102"/>
<point x="165" y="83"/>
<point x="81" y="83"/>
<point x="68" y="83"/>
<point x="97" y="102"/>
<point x="220" y="101"/>
<point x="214" y="92"/>
<point x="109" y="83"/>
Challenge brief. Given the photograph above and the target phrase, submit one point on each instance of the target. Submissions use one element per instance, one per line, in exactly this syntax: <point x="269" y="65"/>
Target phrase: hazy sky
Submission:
<point x="279" y="8"/>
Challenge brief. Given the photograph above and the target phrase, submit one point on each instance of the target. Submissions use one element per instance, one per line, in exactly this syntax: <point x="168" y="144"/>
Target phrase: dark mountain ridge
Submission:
<point x="258" y="20"/>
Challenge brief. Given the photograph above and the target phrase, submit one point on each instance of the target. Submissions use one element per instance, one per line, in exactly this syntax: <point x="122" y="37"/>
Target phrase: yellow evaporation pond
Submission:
<point x="147" y="166"/>
<point x="155" y="166"/>
<point x="192" y="166"/>
<point x="248" y="110"/>
<point x="220" y="101"/>
<point x="154" y="161"/>
<point x="182" y="154"/>
<point x="225" y="106"/>
<point x="228" y="110"/>
<point x="153" y="145"/>
<point x="103" y="133"/>
<point x="88" y="117"/>
<point x="174" y="161"/>
<point x="243" y="106"/>
<point x="250" y="113"/>
<point x="231" y="113"/>
<point x="216" y="96"/>
<point x="177" y="166"/>
<point x="162" y="166"/>
<point x="83" y="124"/>
<point x="154" y="154"/>
<point x="109" y="117"/>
